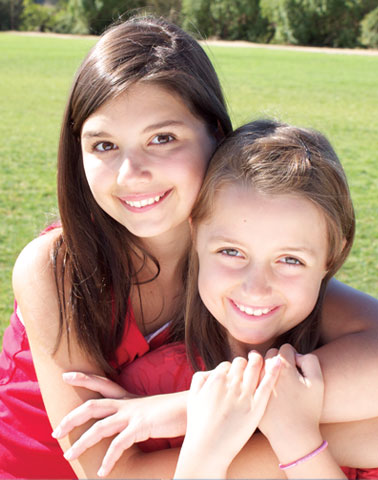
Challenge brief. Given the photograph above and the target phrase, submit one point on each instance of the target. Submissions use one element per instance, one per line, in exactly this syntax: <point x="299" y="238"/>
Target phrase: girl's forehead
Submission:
<point x="147" y="103"/>
<point x="247" y="216"/>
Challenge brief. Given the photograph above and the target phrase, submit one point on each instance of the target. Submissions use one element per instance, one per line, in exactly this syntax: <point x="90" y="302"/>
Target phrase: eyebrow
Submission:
<point x="154" y="126"/>
<point x="222" y="238"/>
<point x="166" y="123"/>
<point x="300" y="249"/>
<point x="93" y="134"/>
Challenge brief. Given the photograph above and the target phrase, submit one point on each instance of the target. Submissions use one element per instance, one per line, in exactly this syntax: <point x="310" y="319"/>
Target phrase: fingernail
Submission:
<point x="68" y="455"/>
<point x="68" y="376"/>
<point x="57" y="432"/>
<point x="273" y="362"/>
<point x="253" y="354"/>
<point x="101" y="472"/>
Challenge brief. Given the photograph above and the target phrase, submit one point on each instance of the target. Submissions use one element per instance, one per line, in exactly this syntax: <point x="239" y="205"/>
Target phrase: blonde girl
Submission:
<point x="259" y="292"/>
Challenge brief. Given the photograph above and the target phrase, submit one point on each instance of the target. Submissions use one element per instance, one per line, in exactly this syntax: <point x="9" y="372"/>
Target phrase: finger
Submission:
<point x="272" y="352"/>
<point x="101" y="429"/>
<point x="288" y="356"/>
<point x="236" y="372"/>
<point x="198" y="380"/>
<point x="264" y="390"/>
<point x="102" y="385"/>
<point x="310" y="366"/>
<point x="220" y="370"/>
<point x="252" y="371"/>
<point x="95" y="408"/>
<point x="218" y="376"/>
<point x="288" y="353"/>
<point x="121" y="442"/>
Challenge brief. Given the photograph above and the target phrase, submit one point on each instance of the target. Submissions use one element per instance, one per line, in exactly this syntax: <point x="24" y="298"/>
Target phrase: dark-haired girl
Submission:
<point x="144" y="115"/>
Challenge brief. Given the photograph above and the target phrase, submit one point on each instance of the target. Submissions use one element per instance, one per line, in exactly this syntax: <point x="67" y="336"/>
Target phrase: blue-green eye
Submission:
<point x="162" y="139"/>
<point x="230" y="252"/>
<point x="104" y="146"/>
<point x="291" y="261"/>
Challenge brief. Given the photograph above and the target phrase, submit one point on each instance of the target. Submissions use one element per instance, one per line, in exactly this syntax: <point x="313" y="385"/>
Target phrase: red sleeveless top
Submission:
<point x="27" y="449"/>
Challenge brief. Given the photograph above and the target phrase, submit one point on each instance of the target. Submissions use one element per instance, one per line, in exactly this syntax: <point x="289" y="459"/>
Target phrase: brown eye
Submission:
<point x="161" y="139"/>
<point x="105" y="146"/>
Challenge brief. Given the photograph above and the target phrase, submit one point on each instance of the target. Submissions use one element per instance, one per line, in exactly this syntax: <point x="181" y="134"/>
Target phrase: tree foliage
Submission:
<point x="334" y="23"/>
<point x="10" y="13"/>
<point x="225" y="19"/>
<point x="369" y="29"/>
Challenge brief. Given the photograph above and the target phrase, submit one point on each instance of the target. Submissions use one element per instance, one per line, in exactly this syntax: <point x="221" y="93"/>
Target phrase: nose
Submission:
<point x="257" y="282"/>
<point x="133" y="168"/>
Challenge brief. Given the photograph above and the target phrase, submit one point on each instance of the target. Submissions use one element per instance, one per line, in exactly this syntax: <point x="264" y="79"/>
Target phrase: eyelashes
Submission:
<point x="103" y="147"/>
<point x="106" y="146"/>
<point x="230" y="252"/>
<point x="235" y="253"/>
<point x="291" y="261"/>
<point x="162" y="139"/>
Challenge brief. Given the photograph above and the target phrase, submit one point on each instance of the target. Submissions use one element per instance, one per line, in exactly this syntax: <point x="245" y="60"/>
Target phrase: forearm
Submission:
<point x="349" y="357"/>
<point x="350" y="372"/>
<point x="354" y="444"/>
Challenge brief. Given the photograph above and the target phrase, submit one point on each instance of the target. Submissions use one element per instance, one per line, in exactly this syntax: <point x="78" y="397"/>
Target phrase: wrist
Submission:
<point x="295" y="445"/>
<point x="305" y="458"/>
<point x="200" y="462"/>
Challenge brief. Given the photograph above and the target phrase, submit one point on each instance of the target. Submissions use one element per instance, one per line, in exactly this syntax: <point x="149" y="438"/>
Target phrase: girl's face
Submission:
<point x="262" y="259"/>
<point x="144" y="156"/>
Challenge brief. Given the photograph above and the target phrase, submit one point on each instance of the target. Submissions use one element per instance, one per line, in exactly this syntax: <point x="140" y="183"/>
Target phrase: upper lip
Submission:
<point x="137" y="197"/>
<point x="254" y="309"/>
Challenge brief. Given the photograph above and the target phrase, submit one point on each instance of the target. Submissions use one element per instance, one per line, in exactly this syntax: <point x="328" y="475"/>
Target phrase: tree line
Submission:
<point x="331" y="23"/>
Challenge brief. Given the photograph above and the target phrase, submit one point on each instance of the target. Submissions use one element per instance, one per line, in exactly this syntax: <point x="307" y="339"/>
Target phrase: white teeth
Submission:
<point x="256" y="312"/>
<point x="145" y="202"/>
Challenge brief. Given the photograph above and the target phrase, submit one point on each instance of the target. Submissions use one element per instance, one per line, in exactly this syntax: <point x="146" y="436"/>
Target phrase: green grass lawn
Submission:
<point x="337" y="94"/>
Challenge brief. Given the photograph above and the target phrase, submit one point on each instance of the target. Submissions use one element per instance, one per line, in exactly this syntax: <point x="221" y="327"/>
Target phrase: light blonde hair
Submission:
<point x="274" y="158"/>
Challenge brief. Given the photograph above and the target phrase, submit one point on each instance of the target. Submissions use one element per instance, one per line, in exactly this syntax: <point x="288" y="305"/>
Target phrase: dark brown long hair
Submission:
<point x="274" y="158"/>
<point x="92" y="258"/>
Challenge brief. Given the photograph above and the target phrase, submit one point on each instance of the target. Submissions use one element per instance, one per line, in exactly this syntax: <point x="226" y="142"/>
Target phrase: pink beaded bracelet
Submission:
<point x="322" y="447"/>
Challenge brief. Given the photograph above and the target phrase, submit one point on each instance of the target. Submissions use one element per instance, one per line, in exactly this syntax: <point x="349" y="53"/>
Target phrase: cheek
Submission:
<point x="207" y="287"/>
<point x="97" y="175"/>
<point x="304" y="295"/>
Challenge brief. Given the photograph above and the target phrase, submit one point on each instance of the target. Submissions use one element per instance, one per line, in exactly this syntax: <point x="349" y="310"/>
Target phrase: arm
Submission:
<point x="61" y="398"/>
<point x="224" y="409"/>
<point x="34" y="288"/>
<point x="291" y="420"/>
<point x="350" y="331"/>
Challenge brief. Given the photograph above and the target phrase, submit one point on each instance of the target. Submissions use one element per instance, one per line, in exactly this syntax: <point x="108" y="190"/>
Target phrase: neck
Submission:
<point x="170" y="248"/>
<point x="240" y="349"/>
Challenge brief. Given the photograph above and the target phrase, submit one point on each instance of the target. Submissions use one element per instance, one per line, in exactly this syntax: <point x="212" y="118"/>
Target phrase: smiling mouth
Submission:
<point x="146" y="202"/>
<point x="253" y="311"/>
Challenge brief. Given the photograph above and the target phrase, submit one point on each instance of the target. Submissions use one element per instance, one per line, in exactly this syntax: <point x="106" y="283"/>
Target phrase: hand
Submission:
<point x="132" y="419"/>
<point x="224" y="409"/>
<point x="291" y="419"/>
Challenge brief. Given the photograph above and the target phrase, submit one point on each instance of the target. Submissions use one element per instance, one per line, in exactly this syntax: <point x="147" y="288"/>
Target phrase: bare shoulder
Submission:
<point x="35" y="257"/>
<point x="347" y="310"/>
<point x="34" y="283"/>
